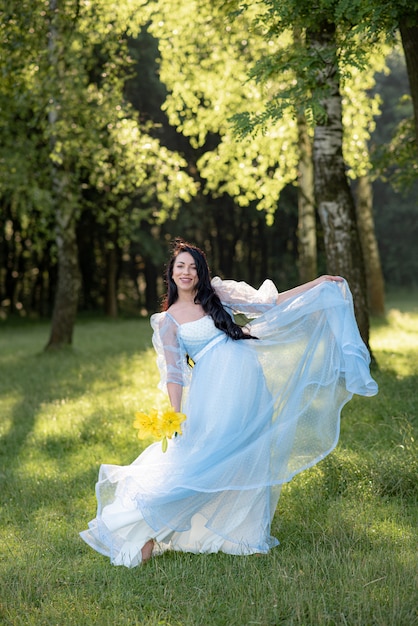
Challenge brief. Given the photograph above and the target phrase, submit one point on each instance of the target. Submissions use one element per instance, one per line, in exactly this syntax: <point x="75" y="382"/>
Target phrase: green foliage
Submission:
<point x="355" y="58"/>
<point x="204" y="65"/>
<point x="347" y="527"/>
<point x="292" y="73"/>
<point x="397" y="160"/>
<point x="69" y="99"/>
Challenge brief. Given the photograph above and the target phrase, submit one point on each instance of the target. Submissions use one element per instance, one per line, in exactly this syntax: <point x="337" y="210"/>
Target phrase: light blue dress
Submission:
<point x="258" y="412"/>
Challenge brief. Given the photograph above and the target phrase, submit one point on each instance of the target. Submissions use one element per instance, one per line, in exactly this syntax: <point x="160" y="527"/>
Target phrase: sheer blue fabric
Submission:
<point x="258" y="412"/>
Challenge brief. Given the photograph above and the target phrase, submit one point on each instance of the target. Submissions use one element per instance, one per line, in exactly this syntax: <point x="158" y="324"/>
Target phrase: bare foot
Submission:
<point x="147" y="550"/>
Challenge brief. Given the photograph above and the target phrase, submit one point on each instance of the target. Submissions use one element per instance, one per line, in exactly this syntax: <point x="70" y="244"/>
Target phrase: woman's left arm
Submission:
<point x="285" y="295"/>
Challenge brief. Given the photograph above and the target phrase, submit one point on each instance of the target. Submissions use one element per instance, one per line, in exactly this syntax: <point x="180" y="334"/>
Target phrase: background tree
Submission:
<point x="331" y="48"/>
<point x="307" y="239"/>
<point x="332" y="192"/>
<point x="99" y="156"/>
<point x="395" y="167"/>
<point x="360" y="111"/>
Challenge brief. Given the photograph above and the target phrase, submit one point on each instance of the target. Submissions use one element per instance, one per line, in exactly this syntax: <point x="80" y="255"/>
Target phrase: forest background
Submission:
<point x="125" y="125"/>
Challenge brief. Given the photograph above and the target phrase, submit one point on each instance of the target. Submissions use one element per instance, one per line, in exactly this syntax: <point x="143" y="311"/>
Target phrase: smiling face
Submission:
<point x="185" y="274"/>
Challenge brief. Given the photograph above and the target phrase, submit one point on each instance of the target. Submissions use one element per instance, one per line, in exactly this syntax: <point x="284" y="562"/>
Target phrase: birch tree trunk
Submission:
<point x="68" y="287"/>
<point x="307" y="246"/>
<point x="306" y="232"/>
<point x="373" y="267"/>
<point x="334" y="200"/>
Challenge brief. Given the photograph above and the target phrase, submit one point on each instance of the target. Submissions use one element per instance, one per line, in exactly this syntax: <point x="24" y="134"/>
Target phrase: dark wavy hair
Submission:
<point x="205" y="293"/>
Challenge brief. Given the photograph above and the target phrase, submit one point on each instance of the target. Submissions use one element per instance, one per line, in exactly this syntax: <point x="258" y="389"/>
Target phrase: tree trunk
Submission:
<point x="66" y="297"/>
<point x="306" y="232"/>
<point x="408" y="27"/>
<point x="365" y="223"/>
<point x="111" y="301"/>
<point x="332" y="192"/>
<point x="307" y="246"/>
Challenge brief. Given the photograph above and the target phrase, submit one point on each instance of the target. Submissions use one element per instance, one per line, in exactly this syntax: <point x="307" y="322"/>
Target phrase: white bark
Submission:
<point x="332" y="192"/>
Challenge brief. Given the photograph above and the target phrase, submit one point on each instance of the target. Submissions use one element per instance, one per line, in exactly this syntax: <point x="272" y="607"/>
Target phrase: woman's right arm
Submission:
<point x="170" y="357"/>
<point x="174" y="393"/>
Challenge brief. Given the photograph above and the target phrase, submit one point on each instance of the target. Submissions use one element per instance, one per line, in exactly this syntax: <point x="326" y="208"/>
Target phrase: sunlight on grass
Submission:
<point x="398" y="341"/>
<point x="8" y="403"/>
<point x="347" y="527"/>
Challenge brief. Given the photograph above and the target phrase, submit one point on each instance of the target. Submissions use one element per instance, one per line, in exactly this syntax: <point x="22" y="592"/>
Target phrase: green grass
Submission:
<point x="348" y="527"/>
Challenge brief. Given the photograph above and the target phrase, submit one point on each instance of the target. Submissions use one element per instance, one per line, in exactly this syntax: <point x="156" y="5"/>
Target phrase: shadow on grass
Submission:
<point x="51" y="377"/>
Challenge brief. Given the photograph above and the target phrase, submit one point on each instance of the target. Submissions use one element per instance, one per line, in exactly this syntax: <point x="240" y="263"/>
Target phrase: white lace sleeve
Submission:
<point x="170" y="356"/>
<point x="242" y="298"/>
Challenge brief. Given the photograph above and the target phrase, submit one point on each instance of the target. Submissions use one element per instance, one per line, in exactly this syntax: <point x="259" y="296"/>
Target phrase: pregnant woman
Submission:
<point x="262" y="401"/>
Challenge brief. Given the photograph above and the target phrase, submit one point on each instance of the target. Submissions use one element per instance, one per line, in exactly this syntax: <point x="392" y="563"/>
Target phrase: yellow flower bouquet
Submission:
<point x="159" y="425"/>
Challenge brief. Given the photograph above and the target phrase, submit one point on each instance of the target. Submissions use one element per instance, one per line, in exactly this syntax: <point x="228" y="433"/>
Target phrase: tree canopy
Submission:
<point x="117" y="135"/>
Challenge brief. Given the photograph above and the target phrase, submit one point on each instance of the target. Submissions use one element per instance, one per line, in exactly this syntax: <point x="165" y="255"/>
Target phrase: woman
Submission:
<point x="262" y="402"/>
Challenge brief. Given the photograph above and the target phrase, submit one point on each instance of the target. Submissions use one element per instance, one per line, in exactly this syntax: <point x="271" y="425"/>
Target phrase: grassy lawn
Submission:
<point x="348" y="527"/>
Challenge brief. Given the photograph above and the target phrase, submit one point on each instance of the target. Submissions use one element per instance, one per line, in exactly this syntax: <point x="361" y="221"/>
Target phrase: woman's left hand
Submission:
<point x="325" y="278"/>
